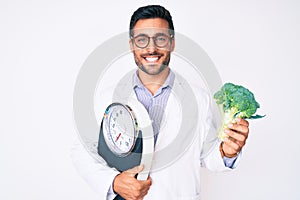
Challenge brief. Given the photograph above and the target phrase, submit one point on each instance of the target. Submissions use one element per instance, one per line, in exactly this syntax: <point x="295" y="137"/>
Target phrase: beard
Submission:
<point x="152" y="69"/>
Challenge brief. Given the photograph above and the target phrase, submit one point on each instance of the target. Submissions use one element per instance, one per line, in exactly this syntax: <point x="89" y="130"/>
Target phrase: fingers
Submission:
<point x="240" y="128"/>
<point x="133" y="171"/>
<point x="145" y="186"/>
<point x="242" y="122"/>
<point x="237" y="136"/>
<point x="233" y="146"/>
<point x="129" y="187"/>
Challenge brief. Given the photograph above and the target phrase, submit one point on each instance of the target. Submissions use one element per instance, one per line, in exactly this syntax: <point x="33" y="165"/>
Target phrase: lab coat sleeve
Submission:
<point x="215" y="162"/>
<point x="95" y="172"/>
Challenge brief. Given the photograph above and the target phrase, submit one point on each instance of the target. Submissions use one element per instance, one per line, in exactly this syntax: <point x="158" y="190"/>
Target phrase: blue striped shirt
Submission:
<point x="154" y="104"/>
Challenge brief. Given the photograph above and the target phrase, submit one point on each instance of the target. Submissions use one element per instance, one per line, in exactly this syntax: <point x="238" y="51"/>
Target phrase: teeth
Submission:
<point x="151" y="59"/>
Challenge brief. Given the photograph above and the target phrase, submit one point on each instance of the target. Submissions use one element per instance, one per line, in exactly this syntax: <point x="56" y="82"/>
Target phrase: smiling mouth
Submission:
<point x="152" y="59"/>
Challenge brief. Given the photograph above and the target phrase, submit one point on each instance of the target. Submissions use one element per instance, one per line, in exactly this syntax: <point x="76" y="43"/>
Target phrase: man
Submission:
<point x="151" y="41"/>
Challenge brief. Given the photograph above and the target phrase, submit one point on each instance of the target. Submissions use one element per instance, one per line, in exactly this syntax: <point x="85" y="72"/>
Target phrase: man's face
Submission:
<point x="152" y="55"/>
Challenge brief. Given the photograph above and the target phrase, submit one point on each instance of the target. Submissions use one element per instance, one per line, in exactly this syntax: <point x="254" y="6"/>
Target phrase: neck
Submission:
<point x="153" y="82"/>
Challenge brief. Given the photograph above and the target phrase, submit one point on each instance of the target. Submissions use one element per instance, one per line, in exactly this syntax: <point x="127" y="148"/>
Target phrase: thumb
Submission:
<point x="133" y="171"/>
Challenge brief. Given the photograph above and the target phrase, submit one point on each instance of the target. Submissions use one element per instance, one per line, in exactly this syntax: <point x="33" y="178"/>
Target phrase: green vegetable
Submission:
<point x="236" y="101"/>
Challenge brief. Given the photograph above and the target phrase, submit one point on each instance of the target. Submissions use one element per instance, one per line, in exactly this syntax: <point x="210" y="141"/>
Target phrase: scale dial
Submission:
<point x="119" y="129"/>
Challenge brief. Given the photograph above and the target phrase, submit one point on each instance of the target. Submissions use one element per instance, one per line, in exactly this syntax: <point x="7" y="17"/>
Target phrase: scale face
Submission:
<point x="126" y="137"/>
<point x="120" y="129"/>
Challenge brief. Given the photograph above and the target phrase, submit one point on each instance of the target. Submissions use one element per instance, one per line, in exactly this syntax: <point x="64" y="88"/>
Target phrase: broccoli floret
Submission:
<point x="236" y="101"/>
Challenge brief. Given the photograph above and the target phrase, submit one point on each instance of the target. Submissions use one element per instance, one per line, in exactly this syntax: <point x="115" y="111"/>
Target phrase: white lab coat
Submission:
<point x="180" y="179"/>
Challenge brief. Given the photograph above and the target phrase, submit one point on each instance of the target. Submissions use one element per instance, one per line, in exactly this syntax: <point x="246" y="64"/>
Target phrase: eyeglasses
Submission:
<point x="160" y="40"/>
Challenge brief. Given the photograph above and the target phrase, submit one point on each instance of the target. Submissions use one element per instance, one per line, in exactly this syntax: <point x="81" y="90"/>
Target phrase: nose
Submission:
<point x="151" y="46"/>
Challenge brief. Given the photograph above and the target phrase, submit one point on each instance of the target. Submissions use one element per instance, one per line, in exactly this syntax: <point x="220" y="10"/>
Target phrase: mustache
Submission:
<point x="151" y="54"/>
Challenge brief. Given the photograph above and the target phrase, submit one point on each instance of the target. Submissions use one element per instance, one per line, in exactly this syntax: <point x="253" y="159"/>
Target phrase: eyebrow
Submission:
<point x="157" y="34"/>
<point x="141" y="34"/>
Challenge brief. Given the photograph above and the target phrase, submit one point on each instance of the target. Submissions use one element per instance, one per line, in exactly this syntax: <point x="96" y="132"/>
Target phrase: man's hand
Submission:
<point x="237" y="136"/>
<point x="126" y="185"/>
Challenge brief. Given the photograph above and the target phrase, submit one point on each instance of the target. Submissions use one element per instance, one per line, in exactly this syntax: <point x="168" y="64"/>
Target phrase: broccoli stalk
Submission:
<point x="236" y="101"/>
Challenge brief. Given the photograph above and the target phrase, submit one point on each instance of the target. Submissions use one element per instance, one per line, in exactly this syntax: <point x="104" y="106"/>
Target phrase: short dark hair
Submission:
<point x="149" y="12"/>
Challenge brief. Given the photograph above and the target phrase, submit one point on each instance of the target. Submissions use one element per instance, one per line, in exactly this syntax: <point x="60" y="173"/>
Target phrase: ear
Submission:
<point x="131" y="45"/>
<point x="173" y="45"/>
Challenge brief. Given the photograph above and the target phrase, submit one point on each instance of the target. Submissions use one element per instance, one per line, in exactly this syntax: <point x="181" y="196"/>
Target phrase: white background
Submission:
<point x="44" y="43"/>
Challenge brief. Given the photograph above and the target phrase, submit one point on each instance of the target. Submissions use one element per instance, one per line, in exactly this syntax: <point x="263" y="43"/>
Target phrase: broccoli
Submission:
<point x="236" y="101"/>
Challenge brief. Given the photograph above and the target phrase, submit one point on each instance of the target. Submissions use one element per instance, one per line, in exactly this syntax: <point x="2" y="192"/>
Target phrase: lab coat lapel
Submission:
<point x="171" y="120"/>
